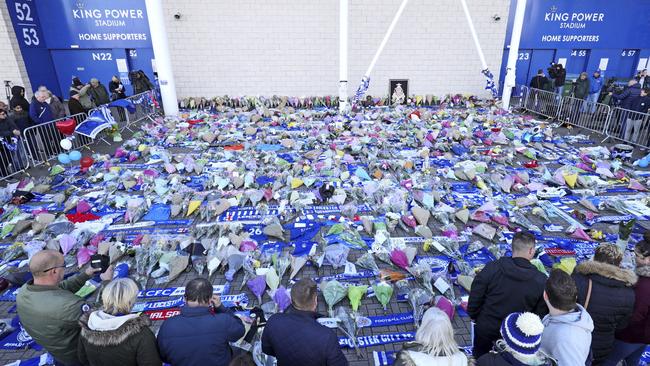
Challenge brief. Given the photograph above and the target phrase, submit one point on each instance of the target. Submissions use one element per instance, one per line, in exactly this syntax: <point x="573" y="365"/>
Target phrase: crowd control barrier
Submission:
<point x="542" y="102"/>
<point x="583" y="114"/>
<point x="13" y="158"/>
<point x="629" y="126"/>
<point x="43" y="142"/>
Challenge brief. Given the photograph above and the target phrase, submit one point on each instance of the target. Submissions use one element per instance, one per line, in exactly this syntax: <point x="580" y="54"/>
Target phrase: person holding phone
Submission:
<point x="48" y="308"/>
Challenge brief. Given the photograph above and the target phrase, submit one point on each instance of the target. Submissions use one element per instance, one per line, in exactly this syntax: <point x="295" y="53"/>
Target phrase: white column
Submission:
<point x="477" y="44"/>
<point x="160" y="44"/>
<point x="343" y="57"/>
<point x="510" y="80"/>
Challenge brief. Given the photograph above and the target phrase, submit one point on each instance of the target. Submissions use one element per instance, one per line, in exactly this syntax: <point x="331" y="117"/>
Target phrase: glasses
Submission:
<point x="49" y="269"/>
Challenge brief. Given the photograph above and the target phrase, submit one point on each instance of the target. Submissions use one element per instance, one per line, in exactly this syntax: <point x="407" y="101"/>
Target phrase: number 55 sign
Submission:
<point x="26" y="24"/>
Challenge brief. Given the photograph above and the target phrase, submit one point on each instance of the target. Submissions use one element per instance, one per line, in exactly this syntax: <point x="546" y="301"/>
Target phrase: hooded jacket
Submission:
<point x="610" y="305"/>
<point x="567" y="337"/>
<point x="141" y="83"/>
<point x="50" y="314"/>
<point x="411" y="355"/>
<point x="199" y="338"/>
<point x="117" y="340"/>
<point x="505" y="286"/>
<point x="638" y="330"/>
<point x="581" y="88"/>
<point x="18" y="98"/>
<point x="295" y="338"/>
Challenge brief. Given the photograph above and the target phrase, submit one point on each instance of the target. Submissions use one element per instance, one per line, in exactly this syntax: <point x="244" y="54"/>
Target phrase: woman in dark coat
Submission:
<point x="18" y="98"/>
<point x="611" y="300"/>
<point x="116" y="88"/>
<point x="113" y="336"/>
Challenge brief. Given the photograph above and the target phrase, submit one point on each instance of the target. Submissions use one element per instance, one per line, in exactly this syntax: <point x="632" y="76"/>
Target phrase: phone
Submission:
<point x="100" y="261"/>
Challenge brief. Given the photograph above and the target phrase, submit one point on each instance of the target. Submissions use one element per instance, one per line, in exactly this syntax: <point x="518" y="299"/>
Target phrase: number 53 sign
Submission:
<point x="25" y="21"/>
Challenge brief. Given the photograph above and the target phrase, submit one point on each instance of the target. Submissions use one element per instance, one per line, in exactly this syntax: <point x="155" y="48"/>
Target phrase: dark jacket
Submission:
<point x="628" y="96"/>
<point x="539" y="82"/>
<point x="503" y="358"/>
<point x="198" y="337"/>
<point x="21" y="120"/>
<point x="610" y="305"/>
<point x="505" y="286"/>
<point x="638" y="329"/>
<point x="40" y="112"/>
<point x="295" y="338"/>
<point x="641" y="104"/>
<point x="7" y="127"/>
<point x="84" y="95"/>
<point x="115" y="91"/>
<point x="58" y="109"/>
<point x="559" y="76"/>
<point x="18" y="98"/>
<point x="141" y="83"/>
<point x="131" y="344"/>
<point x="581" y="88"/>
<point x="99" y="94"/>
<point x="50" y="314"/>
<point x="75" y="107"/>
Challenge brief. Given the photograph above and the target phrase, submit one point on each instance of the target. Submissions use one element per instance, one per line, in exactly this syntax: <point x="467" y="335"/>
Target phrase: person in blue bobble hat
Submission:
<point x="521" y="338"/>
<point x="595" y="86"/>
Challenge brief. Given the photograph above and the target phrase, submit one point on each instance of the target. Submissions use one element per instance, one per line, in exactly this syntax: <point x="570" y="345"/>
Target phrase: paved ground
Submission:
<point x="368" y="306"/>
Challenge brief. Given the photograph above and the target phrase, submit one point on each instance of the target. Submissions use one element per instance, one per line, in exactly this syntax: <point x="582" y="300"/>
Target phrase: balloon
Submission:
<point x="643" y="163"/>
<point x="74" y="155"/>
<point x="67" y="126"/>
<point x="86" y="162"/>
<point x="66" y="144"/>
<point x="64" y="158"/>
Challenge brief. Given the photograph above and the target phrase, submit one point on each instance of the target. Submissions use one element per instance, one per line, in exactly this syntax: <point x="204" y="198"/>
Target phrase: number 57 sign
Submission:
<point x="25" y="21"/>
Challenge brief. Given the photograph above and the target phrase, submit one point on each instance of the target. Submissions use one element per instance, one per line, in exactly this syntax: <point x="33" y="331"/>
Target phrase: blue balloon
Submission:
<point x="64" y="158"/>
<point x="74" y="155"/>
<point x="643" y="163"/>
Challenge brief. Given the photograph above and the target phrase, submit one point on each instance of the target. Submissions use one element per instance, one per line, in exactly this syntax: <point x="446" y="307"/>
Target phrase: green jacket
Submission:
<point x="50" y="314"/>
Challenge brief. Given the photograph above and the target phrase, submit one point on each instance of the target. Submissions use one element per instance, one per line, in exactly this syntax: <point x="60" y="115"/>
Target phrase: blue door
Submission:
<point x="627" y="64"/>
<point x="541" y="59"/>
<point x="85" y="64"/>
<point x="576" y="63"/>
<point x="521" y="71"/>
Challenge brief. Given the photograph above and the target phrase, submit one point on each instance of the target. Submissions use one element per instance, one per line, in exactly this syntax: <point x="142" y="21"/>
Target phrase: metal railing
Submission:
<point x="542" y="102"/>
<point x="628" y="126"/>
<point x="43" y="142"/>
<point x="13" y="159"/>
<point x="583" y="114"/>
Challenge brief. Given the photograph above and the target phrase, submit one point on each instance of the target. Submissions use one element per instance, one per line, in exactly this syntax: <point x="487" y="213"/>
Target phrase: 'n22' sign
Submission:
<point x="102" y="56"/>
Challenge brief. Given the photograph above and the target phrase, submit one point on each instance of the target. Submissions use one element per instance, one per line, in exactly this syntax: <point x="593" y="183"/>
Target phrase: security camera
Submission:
<point x="496" y="17"/>
<point x="177" y="16"/>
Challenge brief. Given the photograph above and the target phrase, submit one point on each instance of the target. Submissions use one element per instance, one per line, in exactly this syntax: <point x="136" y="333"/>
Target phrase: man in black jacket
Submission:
<point x="505" y="286"/>
<point x="200" y="336"/>
<point x="295" y="338"/>
<point x="559" y="77"/>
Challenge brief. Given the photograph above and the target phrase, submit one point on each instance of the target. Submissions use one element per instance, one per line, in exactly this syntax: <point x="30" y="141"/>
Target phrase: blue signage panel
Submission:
<point x="94" y="23"/>
<point x="24" y="16"/>
<point x="584" y="24"/>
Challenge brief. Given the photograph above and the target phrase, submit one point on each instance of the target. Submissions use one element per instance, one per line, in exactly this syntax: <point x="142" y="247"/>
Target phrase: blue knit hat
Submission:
<point x="522" y="332"/>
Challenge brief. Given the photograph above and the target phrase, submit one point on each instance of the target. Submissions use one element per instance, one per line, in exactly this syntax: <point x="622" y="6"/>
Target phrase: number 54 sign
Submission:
<point x="25" y="20"/>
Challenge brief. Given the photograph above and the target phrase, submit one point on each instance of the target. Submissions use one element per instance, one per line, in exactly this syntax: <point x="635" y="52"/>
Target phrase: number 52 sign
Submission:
<point x="25" y="21"/>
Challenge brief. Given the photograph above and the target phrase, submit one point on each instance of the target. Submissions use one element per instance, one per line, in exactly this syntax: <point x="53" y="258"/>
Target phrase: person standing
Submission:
<point x="20" y="117"/>
<point x="8" y="128"/>
<point x="18" y="98"/>
<point x="581" y="87"/>
<point x="505" y="286"/>
<point x="199" y="336"/>
<point x="140" y="82"/>
<point x="48" y="308"/>
<point x="642" y="78"/>
<point x="84" y="98"/>
<point x="539" y="81"/>
<point x="116" y="89"/>
<point x="74" y="105"/>
<point x="595" y="86"/>
<point x="39" y="111"/>
<point x="560" y="79"/>
<point x="434" y="343"/>
<point x="568" y="326"/>
<point x="632" y="340"/>
<point x="629" y="95"/>
<point x="58" y="109"/>
<point x="634" y="122"/>
<point x="605" y="291"/>
<point x="113" y="336"/>
<point x="295" y="338"/>
<point x="98" y="92"/>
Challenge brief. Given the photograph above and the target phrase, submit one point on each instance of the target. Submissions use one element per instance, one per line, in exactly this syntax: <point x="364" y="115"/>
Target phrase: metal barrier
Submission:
<point x="43" y="142"/>
<point x="518" y="97"/>
<point x="583" y="114"/>
<point x="142" y="110"/>
<point x="629" y="126"/>
<point x="13" y="159"/>
<point x="543" y="102"/>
